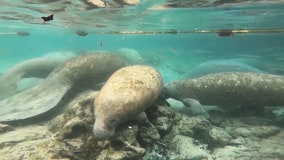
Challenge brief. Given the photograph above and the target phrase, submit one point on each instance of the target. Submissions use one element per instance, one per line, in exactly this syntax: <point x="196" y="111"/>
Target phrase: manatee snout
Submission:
<point x="101" y="131"/>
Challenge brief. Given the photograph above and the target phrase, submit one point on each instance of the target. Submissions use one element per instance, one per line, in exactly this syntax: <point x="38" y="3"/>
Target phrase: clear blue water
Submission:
<point x="176" y="41"/>
<point x="188" y="48"/>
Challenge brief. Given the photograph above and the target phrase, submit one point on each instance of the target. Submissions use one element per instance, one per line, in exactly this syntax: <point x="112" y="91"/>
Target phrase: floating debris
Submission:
<point x="225" y="32"/>
<point x="100" y="25"/>
<point x="48" y="18"/>
<point x="23" y="33"/>
<point x="82" y="33"/>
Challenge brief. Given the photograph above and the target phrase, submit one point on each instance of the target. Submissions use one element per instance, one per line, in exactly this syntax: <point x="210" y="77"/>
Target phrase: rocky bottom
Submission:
<point x="170" y="136"/>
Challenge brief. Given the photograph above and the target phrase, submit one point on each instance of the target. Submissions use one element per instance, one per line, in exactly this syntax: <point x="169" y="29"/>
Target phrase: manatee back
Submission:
<point x="128" y="92"/>
<point x="219" y="66"/>
<point x="231" y="88"/>
<point x="84" y="70"/>
<point x="87" y="69"/>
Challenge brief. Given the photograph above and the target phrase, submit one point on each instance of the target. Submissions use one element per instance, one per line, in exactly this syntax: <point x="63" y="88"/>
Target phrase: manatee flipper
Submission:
<point x="25" y="104"/>
<point x="196" y="108"/>
<point x="8" y="86"/>
<point x="37" y="67"/>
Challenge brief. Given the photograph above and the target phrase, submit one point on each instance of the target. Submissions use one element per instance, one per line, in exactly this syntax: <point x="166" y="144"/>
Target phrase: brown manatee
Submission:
<point x="230" y="89"/>
<point x="125" y="96"/>
<point x="82" y="71"/>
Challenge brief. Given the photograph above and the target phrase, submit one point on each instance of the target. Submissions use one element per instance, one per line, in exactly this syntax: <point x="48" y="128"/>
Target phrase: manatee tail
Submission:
<point x="196" y="108"/>
<point x="32" y="102"/>
<point x="8" y="84"/>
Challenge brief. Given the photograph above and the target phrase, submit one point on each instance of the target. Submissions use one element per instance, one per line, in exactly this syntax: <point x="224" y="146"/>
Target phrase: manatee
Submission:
<point x="125" y="95"/>
<point x="217" y="66"/>
<point x="37" y="67"/>
<point x="131" y="55"/>
<point x="82" y="72"/>
<point x="231" y="89"/>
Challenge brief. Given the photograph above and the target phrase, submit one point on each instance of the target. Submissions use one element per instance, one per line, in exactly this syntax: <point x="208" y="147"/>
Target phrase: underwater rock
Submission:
<point x="80" y="107"/>
<point x="256" y="131"/>
<point x="218" y="137"/>
<point x="163" y="118"/>
<point x="185" y="148"/>
<point x="218" y="66"/>
<point x="163" y="124"/>
<point x="148" y="134"/>
<point x="253" y="148"/>
<point x="196" y="127"/>
<point x="90" y="69"/>
<point x="231" y="89"/>
<point x="69" y="136"/>
<point x="77" y="120"/>
<point x="23" y="143"/>
<point x="73" y="128"/>
<point x="125" y="95"/>
<point x="5" y="128"/>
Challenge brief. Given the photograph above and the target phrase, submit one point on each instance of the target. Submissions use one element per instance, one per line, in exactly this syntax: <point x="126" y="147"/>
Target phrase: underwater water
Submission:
<point x="180" y="39"/>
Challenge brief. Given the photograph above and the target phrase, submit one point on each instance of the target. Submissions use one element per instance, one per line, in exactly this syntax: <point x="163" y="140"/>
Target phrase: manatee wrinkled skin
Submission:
<point x="83" y="72"/>
<point x="125" y="95"/>
<point x="231" y="88"/>
<point x="218" y="66"/>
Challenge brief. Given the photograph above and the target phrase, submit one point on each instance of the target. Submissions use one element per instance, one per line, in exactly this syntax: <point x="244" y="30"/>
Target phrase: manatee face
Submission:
<point x="104" y="127"/>
<point x="108" y="116"/>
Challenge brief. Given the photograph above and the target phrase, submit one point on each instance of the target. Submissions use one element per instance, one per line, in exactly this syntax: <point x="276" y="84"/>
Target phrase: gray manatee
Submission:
<point x="37" y="67"/>
<point x="82" y="71"/>
<point x="231" y="89"/>
<point x="130" y="55"/>
<point x="218" y="66"/>
<point x="125" y="96"/>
